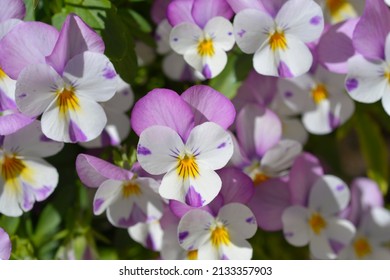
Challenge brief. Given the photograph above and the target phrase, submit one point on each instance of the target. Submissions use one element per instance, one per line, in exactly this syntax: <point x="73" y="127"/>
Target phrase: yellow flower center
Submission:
<point x="67" y="100"/>
<point x="192" y="255"/>
<point x="362" y="247"/>
<point x="187" y="167"/>
<point x="340" y="10"/>
<point x="317" y="223"/>
<point x="319" y="93"/>
<point x="11" y="168"/>
<point x="260" y="178"/>
<point x="219" y="236"/>
<point x="206" y="47"/>
<point x="130" y="189"/>
<point x="2" y="74"/>
<point x="277" y="41"/>
<point x="387" y="76"/>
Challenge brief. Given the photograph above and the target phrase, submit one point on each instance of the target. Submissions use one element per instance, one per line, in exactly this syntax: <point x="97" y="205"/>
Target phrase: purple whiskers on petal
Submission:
<point x="251" y="220"/>
<point x="351" y="84"/>
<point x="288" y="94"/>
<point x="241" y="33"/>
<point x="143" y="150"/>
<point x="222" y="145"/>
<point x="183" y="235"/>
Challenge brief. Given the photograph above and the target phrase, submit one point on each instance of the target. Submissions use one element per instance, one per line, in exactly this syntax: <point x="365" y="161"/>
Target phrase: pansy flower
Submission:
<point x="25" y="177"/>
<point x="218" y="237"/>
<point x="279" y="42"/>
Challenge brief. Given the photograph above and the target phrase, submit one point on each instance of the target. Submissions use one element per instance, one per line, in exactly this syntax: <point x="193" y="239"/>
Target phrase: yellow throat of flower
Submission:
<point x="317" y="223"/>
<point x="206" y="47"/>
<point x="319" y="93"/>
<point x="187" y="167"/>
<point x="67" y="100"/>
<point x="220" y="236"/>
<point x="277" y="41"/>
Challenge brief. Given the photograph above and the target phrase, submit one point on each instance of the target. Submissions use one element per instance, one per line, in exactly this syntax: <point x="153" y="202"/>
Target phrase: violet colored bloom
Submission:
<point x="126" y="198"/>
<point x="5" y="245"/>
<point x="278" y="41"/>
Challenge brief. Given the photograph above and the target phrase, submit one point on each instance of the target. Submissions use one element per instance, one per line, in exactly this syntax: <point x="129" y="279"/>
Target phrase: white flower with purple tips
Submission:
<point x="279" y="43"/>
<point x="220" y="237"/>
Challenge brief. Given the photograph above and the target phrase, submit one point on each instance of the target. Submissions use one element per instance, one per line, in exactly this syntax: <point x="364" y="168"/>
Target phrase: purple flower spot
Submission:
<point x="150" y="243"/>
<point x="340" y="188"/>
<point x="193" y="198"/>
<point x="336" y="245"/>
<point x="157" y="37"/>
<point x="241" y="33"/>
<point x="351" y="84"/>
<point x="288" y="94"/>
<point x="97" y="204"/>
<point x="109" y="73"/>
<point x="75" y="133"/>
<point x="230" y="33"/>
<point x="224" y="257"/>
<point x="207" y="72"/>
<point x="222" y="145"/>
<point x="23" y="95"/>
<point x="284" y="71"/>
<point x="175" y="39"/>
<point x="143" y="150"/>
<point x="43" y="192"/>
<point x="251" y="220"/>
<point x="183" y="235"/>
<point x="288" y="234"/>
<point x="334" y="121"/>
<point x="316" y="20"/>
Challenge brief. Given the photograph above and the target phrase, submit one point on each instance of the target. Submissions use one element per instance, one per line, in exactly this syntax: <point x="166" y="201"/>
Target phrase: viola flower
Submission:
<point x="126" y="198"/>
<point x="218" y="237"/>
<point x="320" y="98"/>
<point x="202" y="33"/>
<point x="318" y="224"/>
<point x="279" y="43"/>
<point x="372" y="234"/>
<point x="5" y="245"/>
<point x="118" y="123"/>
<point x="25" y="177"/>
<point x="188" y="166"/>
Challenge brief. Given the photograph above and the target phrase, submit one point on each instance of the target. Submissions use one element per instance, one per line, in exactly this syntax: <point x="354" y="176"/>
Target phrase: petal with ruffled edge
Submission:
<point x="258" y="130"/>
<point x="162" y="107"/>
<point x="209" y="105"/>
<point x="251" y="29"/>
<point x="269" y="201"/>
<point x="280" y="157"/>
<point x="306" y="170"/>
<point x="92" y="75"/>
<point x="301" y="18"/>
<point x="30" y="141"/>
<point x="83" y="124"/>
<point x="5" y="245"/>
<point x="295" y="226"/>
<point x="158" y="149"/>
<point x="27" y="43"/>
<point x="211" y="144"/>
<point x="193" y="229"/>
<point x="149" y="235"/>
<point x="36" y="89"/>
<point x="75" y="38"/>
<point x="94" y="171"/>
<point x="365" y="81"/>
<point x="329" y="195"/>
<point x="204" y="11"/>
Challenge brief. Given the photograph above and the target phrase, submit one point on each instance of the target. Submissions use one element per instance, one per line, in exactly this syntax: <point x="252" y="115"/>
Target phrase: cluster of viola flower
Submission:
<point x="209" y="171"/>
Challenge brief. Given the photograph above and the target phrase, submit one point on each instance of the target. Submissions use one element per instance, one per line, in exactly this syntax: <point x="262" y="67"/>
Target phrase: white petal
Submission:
<point x="329" y="195"/>
<point x="221" y="31"/>
<point x="162" y="37"/>
<point x="386" y="100"/>
<point x="204" y="188"/>
<point x="193" y="230"/>
<point x="185" y="36"/>
<point x="293" y="96"/>
<point x="9" y="198"/>
<point x="320" y="248"/>
<point x="265" y="62"/>
<point x="295" y="227"/>
<point x="208" y="252"/>
<point x="241" y="222"/>
<point x="318" y="120"/>
<point x="239" y="249"/>
<point x="150" y="235"/>
<point x="158" y="148"/>
<point x="92" y="75"/>
<point x="251" y="29"/>
<point x="174" y="187"/>
<point x="106" y="194"/>
<point x="365" y="82"/>
<point x="301" y="18"/>
<point x="211" y="144"/>
<point x="342" y="231"/>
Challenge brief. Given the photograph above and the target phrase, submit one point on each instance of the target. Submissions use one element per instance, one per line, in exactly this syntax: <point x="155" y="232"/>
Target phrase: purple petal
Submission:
<point x="162" y="107"/>
<point x="238" y="6"/>
<point x="335" y="46"/>
<point x="370" y="33"/>
<point x="5" y="245"/>
<point x="209" y="105"/>
<point x="136" y="216"/>
<point x="193" y="198"/>
<point x="12" y="9"/>
<point x="6" y="103"/>
<point x="75" y="133"/>
<point x="206" y="72"/>
<point x="75" y="37"/>
<point x="284" y="71"/>
<point x="204" y="10"/>
<point x="236" y="185"/>
<point x="94" y="171"/>
<point x="13" y="122"/>
<point x="270" y="199"/>
<point x="273" y="7"/>
<point x="158" y="11"/>
<point x="180" y="11"/>
<point x="304" y="173"/>
<point x="27" y="43"/>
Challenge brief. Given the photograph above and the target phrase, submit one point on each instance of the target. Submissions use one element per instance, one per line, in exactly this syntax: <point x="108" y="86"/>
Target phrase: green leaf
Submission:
<point x="30" y="9"/>
<point x="47" y="225"/>
<point x="9" y="224"/>
<point x="58" y="19"/>
<point x="373" y="148"/>
<point x="227" y="82"/>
